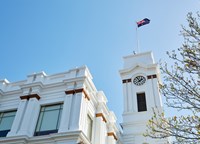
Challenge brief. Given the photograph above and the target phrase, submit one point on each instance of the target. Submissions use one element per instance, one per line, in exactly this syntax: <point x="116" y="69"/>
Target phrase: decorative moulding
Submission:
<point x="112" y="134"/>
<point x="80" y="90"/>
<point x="102" y="116"/>
<point x="30" y="96"/>
<point x="3" y="84"/>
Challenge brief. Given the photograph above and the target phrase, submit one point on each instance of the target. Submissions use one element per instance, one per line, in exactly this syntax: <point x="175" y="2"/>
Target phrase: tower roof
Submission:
<point x="145" y="58"/>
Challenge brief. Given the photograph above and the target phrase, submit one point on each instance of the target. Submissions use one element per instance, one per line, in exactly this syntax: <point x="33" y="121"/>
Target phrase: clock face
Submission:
<point x="139" y="80"/>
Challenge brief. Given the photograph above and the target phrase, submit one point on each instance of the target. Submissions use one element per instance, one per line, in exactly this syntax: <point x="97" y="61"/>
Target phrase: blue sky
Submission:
<point x="57" y="35"/>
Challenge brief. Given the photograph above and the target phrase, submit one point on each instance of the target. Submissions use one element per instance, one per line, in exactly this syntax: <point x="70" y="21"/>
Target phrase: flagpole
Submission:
<point x="137" y="38"/>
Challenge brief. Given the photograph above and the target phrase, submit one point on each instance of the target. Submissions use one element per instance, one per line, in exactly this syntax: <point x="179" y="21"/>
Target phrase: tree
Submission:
<point x="181" y="88"/>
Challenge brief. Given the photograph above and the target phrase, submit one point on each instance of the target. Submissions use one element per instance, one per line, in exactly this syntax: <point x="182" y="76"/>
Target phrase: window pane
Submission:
<point x="6" y="123"/>
<point x="141" y="101"/>
<point x="49" y="121"/>
<point x="9" y="114"/>
<point x="89" y="127"/>
<point x="39" y="121"/>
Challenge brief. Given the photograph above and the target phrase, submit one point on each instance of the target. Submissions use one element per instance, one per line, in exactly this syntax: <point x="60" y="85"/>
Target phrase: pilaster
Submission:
<point x="75" y="108"/>
<point x="111" y="129"/>
<point x="130" y="97"/>
<point x="30" y="117"/>
<point x="18" y="118"/>
<point x="112" y="138"/>
<point x="66" y="114"/>
<point x="100" y="128"/>
<point x="125" y="97"/>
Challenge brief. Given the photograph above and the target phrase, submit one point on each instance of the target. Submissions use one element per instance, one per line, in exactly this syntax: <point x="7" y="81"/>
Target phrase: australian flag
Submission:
<point x="143" y="22"/>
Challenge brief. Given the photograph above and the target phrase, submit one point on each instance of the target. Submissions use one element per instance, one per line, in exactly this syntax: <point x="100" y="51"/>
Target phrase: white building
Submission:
<point x="140" y="77"/>
<point x="66" y="108"/>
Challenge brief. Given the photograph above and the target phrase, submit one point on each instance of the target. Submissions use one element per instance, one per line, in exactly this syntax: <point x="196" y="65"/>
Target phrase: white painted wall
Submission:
<point x="134" y="122"/>
<point x="76" y="107"/>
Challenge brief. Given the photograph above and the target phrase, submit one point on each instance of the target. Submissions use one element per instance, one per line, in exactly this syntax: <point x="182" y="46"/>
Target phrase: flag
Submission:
<point x="143" y="22"/>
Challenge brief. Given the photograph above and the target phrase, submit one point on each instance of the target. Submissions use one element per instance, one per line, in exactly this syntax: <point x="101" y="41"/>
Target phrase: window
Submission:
<point x="89" y="127"/>
<point x="49" y="119"/>
<point x="6" y="120"/>
<point x="141" y="101"/>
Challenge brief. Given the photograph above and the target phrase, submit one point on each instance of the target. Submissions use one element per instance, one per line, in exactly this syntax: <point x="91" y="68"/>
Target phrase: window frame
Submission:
<point x="141" y="102"/>
<point x="89" y="126"/>
<point x="38" y="131"/>
<point x="3" y="133"/>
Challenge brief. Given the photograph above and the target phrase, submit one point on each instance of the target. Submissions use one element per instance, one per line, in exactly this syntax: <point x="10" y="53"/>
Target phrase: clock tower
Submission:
<point x="140" y="78"/>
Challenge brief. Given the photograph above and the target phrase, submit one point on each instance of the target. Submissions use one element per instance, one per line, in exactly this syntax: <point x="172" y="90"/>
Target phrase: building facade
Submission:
<point x="66" y="108"/>
<point x="140" y="79"/>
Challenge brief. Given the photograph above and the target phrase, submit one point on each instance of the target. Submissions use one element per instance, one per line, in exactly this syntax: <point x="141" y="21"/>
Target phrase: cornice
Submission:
<point x="74" y="79"/>
<point x="33" y="84"/>
<point x="138" y="54"/>
<point x="130" y="69"/>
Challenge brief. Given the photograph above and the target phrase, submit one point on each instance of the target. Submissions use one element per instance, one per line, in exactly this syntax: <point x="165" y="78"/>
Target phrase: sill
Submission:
<point x="40" y="133"/>
<point x="142" y="110"/>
